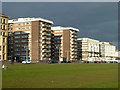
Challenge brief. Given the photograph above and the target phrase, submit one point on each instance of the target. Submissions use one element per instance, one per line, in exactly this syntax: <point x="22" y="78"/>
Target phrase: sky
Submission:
<point x="96" y="20"/>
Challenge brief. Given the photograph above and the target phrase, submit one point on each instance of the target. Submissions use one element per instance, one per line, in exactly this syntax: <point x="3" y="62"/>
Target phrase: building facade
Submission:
<point x="88" y="49"/>
<point x="31" y="38"/>
<point x="3" y="36"/>
<point x="64" y="43"/>
<point x="107" y="51"/>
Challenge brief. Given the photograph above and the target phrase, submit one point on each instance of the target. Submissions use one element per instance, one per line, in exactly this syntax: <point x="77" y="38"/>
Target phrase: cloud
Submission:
<point x="97" y="20"/>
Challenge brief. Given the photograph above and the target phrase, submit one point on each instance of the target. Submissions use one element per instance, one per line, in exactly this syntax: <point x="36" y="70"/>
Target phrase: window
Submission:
<point x="24" y="40"/>
<point x="23" y="23"/>
<point x="17" y="45"/>
<point x="40" y="44"/>
<point x="23" y="27"/>
<point x="0" y="57"/>
<point x="40" y="31"/>
<point x="3" y="21"/>
<point x="17" y="24"/>
<point x="23" y="32"/>
<point x="17" y="49"/>
<point x="17" y="32"/>
<point x="3" y="33"/>
<point x="1" y="27"/>
<point x="0" y="48"/>
<point x="17" y="36"/>
<point x="17" y="28"/>
<point x="3" y="39"/>
<point x="25" y="36"/>
<point x="17" y="41"/>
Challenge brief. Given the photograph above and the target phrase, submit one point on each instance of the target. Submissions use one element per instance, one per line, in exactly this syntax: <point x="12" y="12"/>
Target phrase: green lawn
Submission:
<point x="61" y="76"/>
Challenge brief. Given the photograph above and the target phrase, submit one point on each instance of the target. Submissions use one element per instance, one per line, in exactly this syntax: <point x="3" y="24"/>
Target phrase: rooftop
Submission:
<point x="3" y="15"/>
<point x="63" y="28"/>
<point x="29" y="19"/>
<point x="87" y="39"/>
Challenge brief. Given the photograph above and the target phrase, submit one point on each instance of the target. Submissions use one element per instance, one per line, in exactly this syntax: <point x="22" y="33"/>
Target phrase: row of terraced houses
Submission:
<point x="35" y="39"/>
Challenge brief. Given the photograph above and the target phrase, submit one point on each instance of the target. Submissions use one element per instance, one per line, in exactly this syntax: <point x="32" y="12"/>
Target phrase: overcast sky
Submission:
<point x="94" y="20"/>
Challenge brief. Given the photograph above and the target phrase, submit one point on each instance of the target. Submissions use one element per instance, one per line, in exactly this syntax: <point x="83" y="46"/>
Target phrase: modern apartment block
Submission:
<point x="65" y="43"/>
<point x="107" y="50"/>
<point x="88" y="49"/>
<point x="3" y="36"/>
<point x="31" y="38"/>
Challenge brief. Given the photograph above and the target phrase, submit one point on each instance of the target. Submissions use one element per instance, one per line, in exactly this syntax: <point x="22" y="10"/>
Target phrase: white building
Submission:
<point x="88" y="49"/>
<point x="107" y="51"/>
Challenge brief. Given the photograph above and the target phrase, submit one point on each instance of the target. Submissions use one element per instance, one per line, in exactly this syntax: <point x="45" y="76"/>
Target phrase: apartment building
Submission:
<point x="64" y="43"/>
<point x="107" y="50"/>
<point x="31" y="38"/>
<point x="3" y="36"/>
<point x="88" y="49"/>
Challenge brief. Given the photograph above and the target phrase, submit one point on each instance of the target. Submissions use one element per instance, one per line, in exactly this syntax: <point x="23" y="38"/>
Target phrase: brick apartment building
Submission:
<point x="64" y="43"/>
<point x="31" y="38"/>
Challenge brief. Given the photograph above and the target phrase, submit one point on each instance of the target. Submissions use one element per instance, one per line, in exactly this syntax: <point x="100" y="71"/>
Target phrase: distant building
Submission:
<point x="88" y="49"/>
<point x="107" y="50"/>
<point x="31" y="38"/>
<point x="64" y="43"/>
<point x="3" y="36"/>
<point x="117" y="55"/>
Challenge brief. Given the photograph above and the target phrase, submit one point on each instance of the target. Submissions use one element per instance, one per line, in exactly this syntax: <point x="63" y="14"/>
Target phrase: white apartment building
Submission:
<point x="88" y="49"/>
<point x="107" y="51"/>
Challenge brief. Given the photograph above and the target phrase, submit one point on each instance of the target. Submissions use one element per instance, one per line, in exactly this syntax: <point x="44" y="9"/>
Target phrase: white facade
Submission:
<point x="107" y="50"/>
<point x="89" y="49"/>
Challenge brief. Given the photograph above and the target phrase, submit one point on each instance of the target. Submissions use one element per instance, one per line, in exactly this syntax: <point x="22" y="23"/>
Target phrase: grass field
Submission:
<point x="61" y="76"/>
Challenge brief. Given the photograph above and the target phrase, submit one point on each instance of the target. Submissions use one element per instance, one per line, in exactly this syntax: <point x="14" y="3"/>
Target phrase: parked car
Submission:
<point x="26" y="62"/>
<point x="95" y="61"/>
<point x="69" y="62"/>
<point x="104" y="62"/>
<point x="85" y="61"/>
